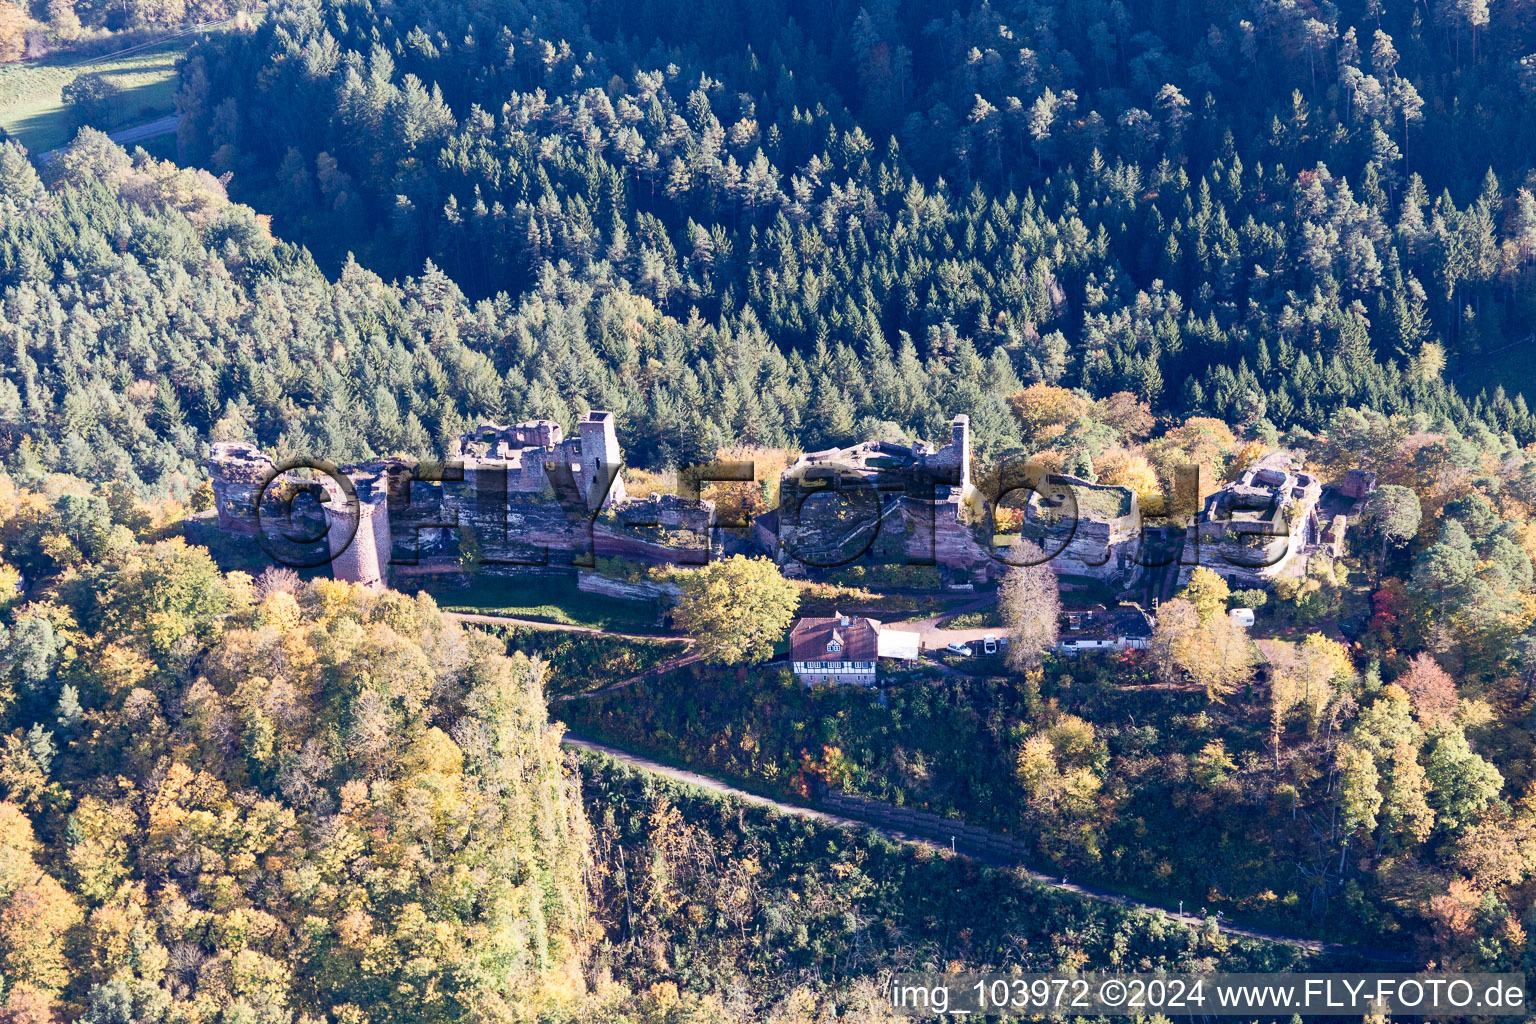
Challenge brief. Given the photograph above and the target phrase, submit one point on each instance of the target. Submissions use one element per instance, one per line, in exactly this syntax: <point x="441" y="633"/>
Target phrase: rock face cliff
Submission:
<point x="880" y="501"/>
<point x="1087" y="529"/>
<point x="237" y="472"/>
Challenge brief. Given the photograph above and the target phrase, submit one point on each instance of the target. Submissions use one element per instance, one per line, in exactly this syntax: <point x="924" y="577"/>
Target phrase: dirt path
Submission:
<point x="936" y="636"/>
<point x="1094" y="892"/>
<point x="477" y="618"/>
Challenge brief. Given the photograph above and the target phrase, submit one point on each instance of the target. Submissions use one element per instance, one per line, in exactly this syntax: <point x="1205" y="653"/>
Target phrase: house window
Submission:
<point x="833" y="647"/>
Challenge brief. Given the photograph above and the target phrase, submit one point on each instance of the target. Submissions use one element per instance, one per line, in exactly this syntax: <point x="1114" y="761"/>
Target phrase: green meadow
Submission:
<point x="33" y="112"/>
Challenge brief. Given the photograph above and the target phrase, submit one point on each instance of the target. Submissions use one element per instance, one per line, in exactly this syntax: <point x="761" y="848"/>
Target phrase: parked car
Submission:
<point x="960" y="649"/>
<point x="989" y="644"/>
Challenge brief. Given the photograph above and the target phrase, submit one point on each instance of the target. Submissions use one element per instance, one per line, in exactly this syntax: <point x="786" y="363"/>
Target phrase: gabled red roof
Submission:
<point x="859" y="637"/>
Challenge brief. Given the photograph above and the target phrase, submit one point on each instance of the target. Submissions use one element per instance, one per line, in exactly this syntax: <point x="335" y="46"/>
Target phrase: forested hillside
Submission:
<point x="1267" y="210"/>
<point x="229" y="799"/>
<point x="241" y="800"/>
<point x="147" y="314"/>
<point x="1122" y="237"/>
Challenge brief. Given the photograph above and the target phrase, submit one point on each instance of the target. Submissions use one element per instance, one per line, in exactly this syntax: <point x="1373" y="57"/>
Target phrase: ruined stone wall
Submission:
<point x="1063" y="520"/>
<point x="953" y="461"/>
<point x="503" y="518"/>
<point x="671" y="548"/>
<point x="535" y="457"/>
<point x="935" y="530"/>
<point x="1260" y="527"/>
<point x="511" y="531"/>
<point x="601" y="458"/>
<point x="1333" y="536"/>
<point x="1357" y="484"/>
<point x="916" y="493"/>
<point x="667" y="510"/>
<point x="1249" y="553"/>
<point x="1098" y="550"/>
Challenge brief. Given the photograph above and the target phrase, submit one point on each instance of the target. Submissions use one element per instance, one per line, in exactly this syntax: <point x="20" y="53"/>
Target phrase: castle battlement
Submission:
<point x="535" y="455"/>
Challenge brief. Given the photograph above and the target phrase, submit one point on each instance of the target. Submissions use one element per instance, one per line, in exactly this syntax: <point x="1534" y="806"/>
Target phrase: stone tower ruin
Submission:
<point x="362" y="556"/>
<point x="601" y="459"/>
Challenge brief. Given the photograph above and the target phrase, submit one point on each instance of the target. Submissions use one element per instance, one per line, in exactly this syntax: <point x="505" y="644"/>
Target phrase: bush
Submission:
<point x="917" y="576"/>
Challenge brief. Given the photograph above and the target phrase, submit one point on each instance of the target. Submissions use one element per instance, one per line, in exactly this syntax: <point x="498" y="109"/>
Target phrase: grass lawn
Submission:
<point x="549" y="599"/>
<point x="976" y="620"/>
<point x="32" y="111"/>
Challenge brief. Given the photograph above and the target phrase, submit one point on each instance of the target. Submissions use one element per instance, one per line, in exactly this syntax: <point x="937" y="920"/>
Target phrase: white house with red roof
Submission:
<point x="845" y="648"/>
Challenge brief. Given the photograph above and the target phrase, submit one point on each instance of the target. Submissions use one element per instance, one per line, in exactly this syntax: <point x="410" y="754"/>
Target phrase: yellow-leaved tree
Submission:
<point x="736" y="609"/>
<point x="1213" y="653"/>
<point x="345" y="772"/>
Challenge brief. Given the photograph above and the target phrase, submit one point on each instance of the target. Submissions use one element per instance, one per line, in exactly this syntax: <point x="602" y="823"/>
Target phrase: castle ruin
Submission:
<point x="526" y="498"/>
<point x="891" y="502"/>
<point x="1088" y="529"/>
<point x="1269" y="522"/>
<point x="510" y="499"/>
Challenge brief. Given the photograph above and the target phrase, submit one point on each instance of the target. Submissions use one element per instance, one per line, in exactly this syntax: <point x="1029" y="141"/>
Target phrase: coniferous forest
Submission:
<point x="1123" y="238"/>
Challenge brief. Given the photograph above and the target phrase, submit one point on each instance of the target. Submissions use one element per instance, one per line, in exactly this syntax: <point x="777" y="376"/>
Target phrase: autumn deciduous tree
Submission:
<point x="13" y="32"/>
<point x="1041" y="406"/>
<point x="1058" y="770"/>
<point x="1211" y="764"/>
<point x="1125" y="413"/>
<point x="1284" y="694"/>
<point x="62" y="19"/>
<point x="36" y="913"/>
<point x="1322" y="662"/>
<point x="1301" y="675"/>
<point x="1177" y="622"/>
<point x="1029" y="600"/>
<point x="166" y="591"/>
<point x="1431" y="690"/>
<point x="91" y="98"/>
<point x="1200" y="441"/>
<point x="735" y="608"/>
<point x="1499" y="851"/>
<point x="1130" y="469"/>
<point x="1215" y="654"/>
<point x="1359" y="792"/>
<point x="1208" y="592"/>
<point x="1405" y="804"/>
